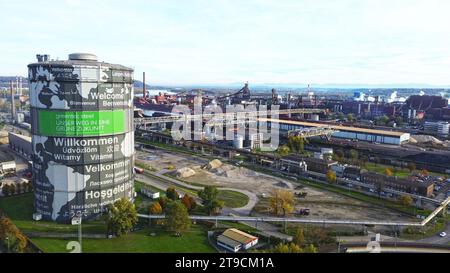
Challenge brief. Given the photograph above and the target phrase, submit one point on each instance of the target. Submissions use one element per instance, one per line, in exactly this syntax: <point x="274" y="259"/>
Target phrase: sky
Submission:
<point x="177" y="42"/>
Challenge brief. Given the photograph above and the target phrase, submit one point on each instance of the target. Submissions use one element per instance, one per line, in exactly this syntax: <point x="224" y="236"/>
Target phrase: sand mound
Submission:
<point x="214" y="164"/>
<point x="425" y="139"/>
<point x="185" y="172"/>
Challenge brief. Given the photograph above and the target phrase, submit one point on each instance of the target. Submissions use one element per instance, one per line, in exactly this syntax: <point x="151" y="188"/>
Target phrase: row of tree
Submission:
<point x="121" y="217"/>
<point x="18" y="188"/>
<point x="304" y="241"/>
<point x="177" y="210"/>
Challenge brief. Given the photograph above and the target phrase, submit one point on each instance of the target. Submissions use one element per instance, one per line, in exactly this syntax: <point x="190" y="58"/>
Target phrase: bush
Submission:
<point x="11" y="236"/>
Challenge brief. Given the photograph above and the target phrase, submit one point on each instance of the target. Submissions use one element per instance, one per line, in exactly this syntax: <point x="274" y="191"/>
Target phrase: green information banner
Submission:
<point x="86" y="123"/>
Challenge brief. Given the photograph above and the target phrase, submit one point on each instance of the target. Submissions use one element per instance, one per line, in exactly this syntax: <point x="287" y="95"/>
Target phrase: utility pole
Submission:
<point x="7" y="240"/>
<point x="80" y="236"/>
<point x="77" y="221"/>
<point x="143" y="86"/>
<point x="13" y="104"/>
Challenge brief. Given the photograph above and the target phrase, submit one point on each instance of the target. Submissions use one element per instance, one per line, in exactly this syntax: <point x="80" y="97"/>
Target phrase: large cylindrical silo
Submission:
<point x="83" y="138"/>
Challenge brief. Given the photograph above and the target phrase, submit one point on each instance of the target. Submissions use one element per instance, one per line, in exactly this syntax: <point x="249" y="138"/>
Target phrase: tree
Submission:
<point x="186" y="200"/>
<point x="121" y="217"/>
<point x="163" y="201"/>
<point x="310" y="249"/>
<point x="299" y="237"/>
<point x="29" y="186"/>
<point x="382" y="120"/>
<point x="425" y="172"/>
<point x="12" y="189"/>
<point x="318" y="236"/>
<point x="354" y="155"/>
<point x="331" y="176"/>
<point x="155" y="209"/>
<point x="411" y="167"/>
<point x="282" y="202"/>
<point x="284" y="150"/>
<point x="341" y="116"/>
<point x="388" y="171"/>
<point x="340" y="153"/>
<point x="286" y="248"/>
<point x="193" y="202"/>
<point x="405" y="200"/>
<point x="20" y="187"/>
<point x="177" y="217"/>
<point x="399" y="120"/>
<point x="11" y="235"/>
<point x="296" y="143"/>
<point x="209" y="196"/>
<point x="172" y="194"/>
<point x="350" y="117"/>
<point x="376" y="160"/>
<point x="6" y="190"/>
<point x="15" y="241"/>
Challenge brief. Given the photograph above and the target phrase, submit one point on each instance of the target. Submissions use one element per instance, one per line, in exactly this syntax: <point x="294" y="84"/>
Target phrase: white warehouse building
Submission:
<point x="345" y="132"/>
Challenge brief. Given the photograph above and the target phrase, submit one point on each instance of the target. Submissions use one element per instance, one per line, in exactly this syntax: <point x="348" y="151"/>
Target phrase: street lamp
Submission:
<point x="7" y="242"/>
<point x="76" y="220"/>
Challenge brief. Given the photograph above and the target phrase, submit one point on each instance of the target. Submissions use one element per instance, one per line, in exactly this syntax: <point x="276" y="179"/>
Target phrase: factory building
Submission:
<point x="82" y="135"/>
<point x="20" y="144"/>
<point x="345" y="132"/>
<point x="441" y="128"/>
<point x="399" y="184"/>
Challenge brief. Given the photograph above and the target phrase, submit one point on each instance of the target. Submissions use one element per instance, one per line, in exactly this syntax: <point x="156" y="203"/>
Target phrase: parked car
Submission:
<point x="443" y="234"/>
<point x="305" y="212"/>
<point x="138" y="170"/>
<point x="301" y="194"/>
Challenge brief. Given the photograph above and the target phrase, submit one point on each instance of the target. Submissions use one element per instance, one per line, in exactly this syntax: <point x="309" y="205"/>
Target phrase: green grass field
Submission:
<point x="20" y="209"/>
<point x="233" y="199"/>
<point x="193" y="241"/>
<point x="380" y="168"/>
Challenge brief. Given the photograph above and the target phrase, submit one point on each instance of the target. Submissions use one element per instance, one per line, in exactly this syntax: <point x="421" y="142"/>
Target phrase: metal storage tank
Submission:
<point x="238" y="142"/>
<point x="82" y="135"/>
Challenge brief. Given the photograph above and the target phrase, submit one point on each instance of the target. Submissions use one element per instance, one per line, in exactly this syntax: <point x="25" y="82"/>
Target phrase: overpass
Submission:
<point x="395" y="247"/>
<point x="234" y="218"/>
<point x="233" y="117"/>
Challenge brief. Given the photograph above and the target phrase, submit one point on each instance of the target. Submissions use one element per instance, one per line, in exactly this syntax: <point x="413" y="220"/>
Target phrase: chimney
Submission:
<point x="143" y="88"/>
<point x="13" y="105"/>
<point x="20" y="86"/>
<point x="17" y="85"/>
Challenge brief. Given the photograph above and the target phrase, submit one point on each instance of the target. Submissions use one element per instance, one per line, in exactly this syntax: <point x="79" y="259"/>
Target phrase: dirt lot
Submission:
<point x="321" y="203"/>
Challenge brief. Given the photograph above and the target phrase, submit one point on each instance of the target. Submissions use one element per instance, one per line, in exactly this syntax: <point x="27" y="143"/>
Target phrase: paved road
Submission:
<point x="245" y="210"/>
<point x="266" y="229"/>
<point x="436" y="239"/>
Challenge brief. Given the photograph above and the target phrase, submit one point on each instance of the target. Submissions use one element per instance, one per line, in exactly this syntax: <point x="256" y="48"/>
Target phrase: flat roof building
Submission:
<point x="7" y="163"/>
<point x="234" y="240"/>
<point x="399" y="184"/>
<point x="20" y="144"/>
<point x="346" y="132"/>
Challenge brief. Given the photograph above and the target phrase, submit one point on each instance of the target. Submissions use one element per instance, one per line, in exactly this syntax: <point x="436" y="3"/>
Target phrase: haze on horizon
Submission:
<point x="346" y="42"/>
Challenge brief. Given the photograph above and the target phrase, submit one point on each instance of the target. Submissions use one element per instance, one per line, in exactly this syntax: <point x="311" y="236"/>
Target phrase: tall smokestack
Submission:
<point x="143" y="88"/>
<point x="17" y="85"/>
<point x="20" y="86"/>
<point x="13" y="105"/>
